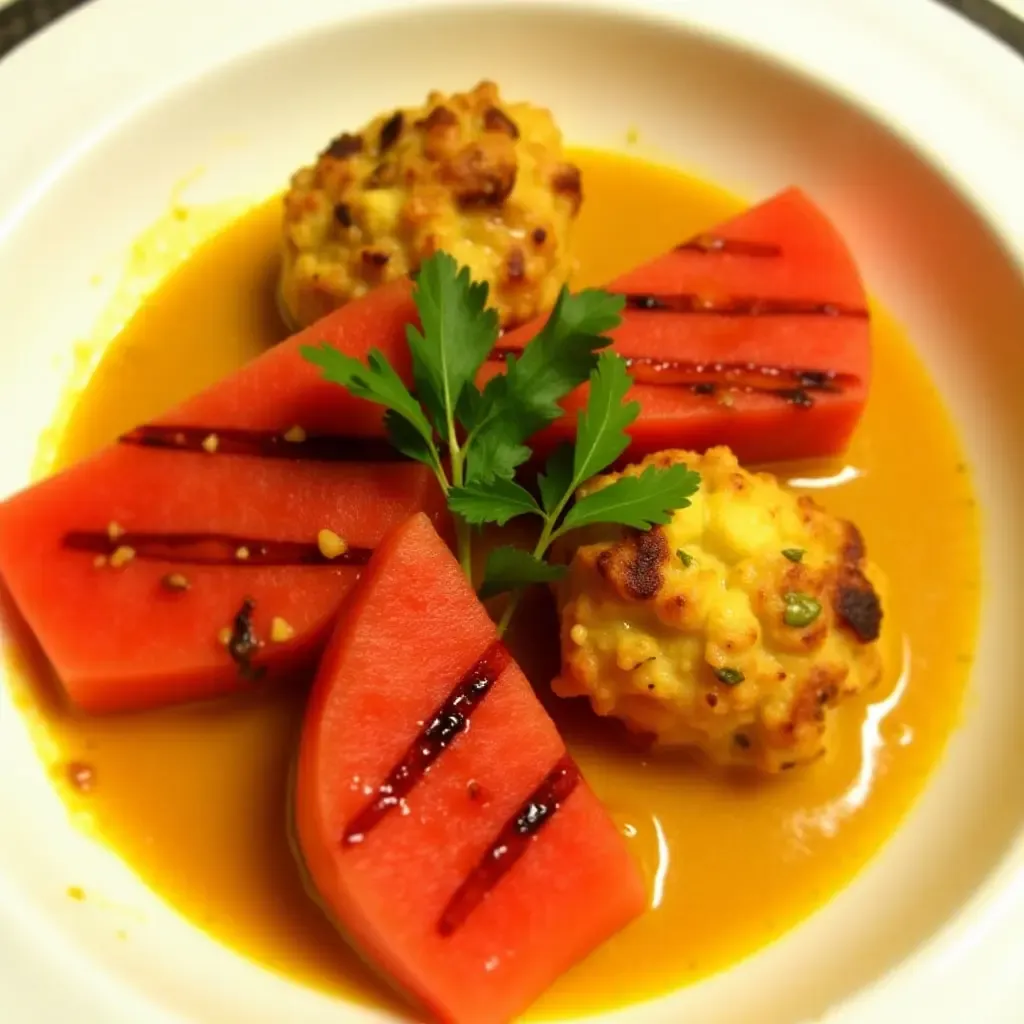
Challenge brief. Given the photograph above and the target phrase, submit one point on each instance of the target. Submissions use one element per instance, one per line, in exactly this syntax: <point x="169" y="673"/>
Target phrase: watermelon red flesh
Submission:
<point x="782" y="254"/>
<point x="411" y="632"/>
<point x="119" y="638"/>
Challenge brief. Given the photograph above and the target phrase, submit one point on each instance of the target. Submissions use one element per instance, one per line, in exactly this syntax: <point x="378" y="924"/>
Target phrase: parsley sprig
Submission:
<point x="474" y="439"/>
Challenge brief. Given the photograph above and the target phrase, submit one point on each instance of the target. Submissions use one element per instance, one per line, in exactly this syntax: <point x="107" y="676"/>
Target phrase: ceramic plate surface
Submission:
<point x="904" y="122"/>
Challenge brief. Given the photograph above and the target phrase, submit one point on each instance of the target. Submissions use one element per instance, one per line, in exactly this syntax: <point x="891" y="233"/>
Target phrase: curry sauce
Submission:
<point x="195" y="798"/>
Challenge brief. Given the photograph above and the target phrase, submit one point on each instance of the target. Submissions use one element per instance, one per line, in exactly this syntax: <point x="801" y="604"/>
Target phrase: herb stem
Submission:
<point x="463" y="541"/>
<point x="441" y="478"/>
<point x="463" y="531"/>
<point x="547" y="536"/>
<point x="510" y="609"/>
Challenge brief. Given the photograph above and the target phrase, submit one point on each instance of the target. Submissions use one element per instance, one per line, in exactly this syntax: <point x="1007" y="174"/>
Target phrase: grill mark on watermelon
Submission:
<point x="738" y="305"/>
<point x="449" y="721"/>
<point x="787" y="383"/>
<point x="511" y="843"/>
<point x="210" y="549"/>
<point x="752" y="376"/>
<point x="264" y="444"/>
<point x="709" y="244"/>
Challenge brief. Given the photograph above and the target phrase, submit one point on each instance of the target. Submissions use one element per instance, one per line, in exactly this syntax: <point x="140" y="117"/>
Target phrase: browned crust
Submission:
<point x="375" y="258"/>
<point x="496" y="120"/>
<point x="439" y="117"/>
<point x="568" y="182"/>
<point x="391" y="131"/>
<point x="515" y="266"/>
<point x="634" y="566"/>
<point x="344" y="145"/>
<point x="479" y="178"/>
<point x="857" y="605"/>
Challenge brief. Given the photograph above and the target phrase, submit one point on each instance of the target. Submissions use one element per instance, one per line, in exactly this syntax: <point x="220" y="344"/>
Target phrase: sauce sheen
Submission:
<point x="196" y="798"/>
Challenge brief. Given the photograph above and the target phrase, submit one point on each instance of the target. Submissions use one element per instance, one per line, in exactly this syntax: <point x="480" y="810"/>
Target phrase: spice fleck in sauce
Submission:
<point x="195" y="798"/>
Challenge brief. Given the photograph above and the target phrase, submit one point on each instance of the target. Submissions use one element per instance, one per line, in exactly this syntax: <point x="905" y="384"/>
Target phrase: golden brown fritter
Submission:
<point x="736" y="629"/>
<point x="469" y="174"/>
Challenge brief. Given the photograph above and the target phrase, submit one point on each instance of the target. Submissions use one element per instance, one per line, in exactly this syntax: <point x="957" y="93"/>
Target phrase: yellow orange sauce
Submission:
<point x="195" y="799"/>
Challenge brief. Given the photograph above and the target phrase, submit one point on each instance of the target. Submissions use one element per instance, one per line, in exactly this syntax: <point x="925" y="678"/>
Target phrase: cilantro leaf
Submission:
<point x="495" y="502"/>
<point x="519" y="402"/>
<point x="377" y="381"/>
<point x="638" y="501"/>
<point x="556" y="479"/>
<point x="600" y="431"/>
<point x="510" y="568"/>
<point x="456" y="334"/>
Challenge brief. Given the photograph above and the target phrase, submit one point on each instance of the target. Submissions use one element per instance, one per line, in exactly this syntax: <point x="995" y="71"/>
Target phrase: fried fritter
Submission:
<point x="469" y="174"/>
<point x="736" y="629"/>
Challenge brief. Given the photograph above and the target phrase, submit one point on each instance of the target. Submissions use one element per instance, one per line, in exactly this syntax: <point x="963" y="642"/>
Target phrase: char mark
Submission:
<point x="448" y="721"/>
<point x="709" y="244"/>
<point x="391" y="131"/>
<point x="511" y="843"/>
<point x="244" y="643"/>
<point x="210" y="549"/>
<point x="496" y="120"/>
<point x="739" y="305"/>
<point x="789" y="384"/>
<point x="264" y="444"/>
<point x="857" y="603"/>
<point x="634" y="565"/>
<point x="344" y="145"/>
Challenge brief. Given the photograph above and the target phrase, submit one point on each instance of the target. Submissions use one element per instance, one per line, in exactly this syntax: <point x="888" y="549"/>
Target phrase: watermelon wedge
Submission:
<point x="439" y="816"/>
<point x="755" y="335"/>
<point x="187" y="559"/>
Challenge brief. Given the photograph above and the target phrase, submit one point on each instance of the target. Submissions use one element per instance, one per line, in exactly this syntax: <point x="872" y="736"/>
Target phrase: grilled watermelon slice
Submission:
<point x="154" y="571"/>
<point x="438" y="813"/>
<point x="755" y="335"/>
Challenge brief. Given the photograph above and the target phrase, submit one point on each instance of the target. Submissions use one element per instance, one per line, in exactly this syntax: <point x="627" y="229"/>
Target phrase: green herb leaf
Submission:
<point x="377" y="382"/>
<point x="600" y="433"/>
<point x="801" y="609"/>
<point x="471" y="408"/>
<point x="556" y="478"/>
<point x="510" y="568"/>
<point x="562" y="355"/>
<point x="525" y="398"/>
<point x="497" y="501"/>
<point x="729" y="676"/>
<point x="639" y="501"/>
<point x="793" y="554"/>
<point x="407" y="439"/>
<point x="456" y="334"/>
<point x="495" y="449"/>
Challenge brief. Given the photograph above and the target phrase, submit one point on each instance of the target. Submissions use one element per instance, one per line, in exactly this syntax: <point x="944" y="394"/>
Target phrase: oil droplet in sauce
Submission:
<point x="196" y="798"/>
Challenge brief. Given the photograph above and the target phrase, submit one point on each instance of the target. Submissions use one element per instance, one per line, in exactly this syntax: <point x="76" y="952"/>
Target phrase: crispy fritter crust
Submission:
<point x="694" y="649"/>
<point x="468" y="173"/>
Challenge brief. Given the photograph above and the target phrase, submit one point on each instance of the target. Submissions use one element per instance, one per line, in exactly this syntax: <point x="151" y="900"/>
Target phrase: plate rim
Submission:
<point x="964" y="63"/>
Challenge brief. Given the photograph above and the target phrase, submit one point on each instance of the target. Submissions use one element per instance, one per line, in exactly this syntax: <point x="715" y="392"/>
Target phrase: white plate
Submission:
<point x="904" y="122"/>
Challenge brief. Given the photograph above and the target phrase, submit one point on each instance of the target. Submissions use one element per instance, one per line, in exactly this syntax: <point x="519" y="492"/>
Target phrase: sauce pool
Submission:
<point x="196" y="798"/>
